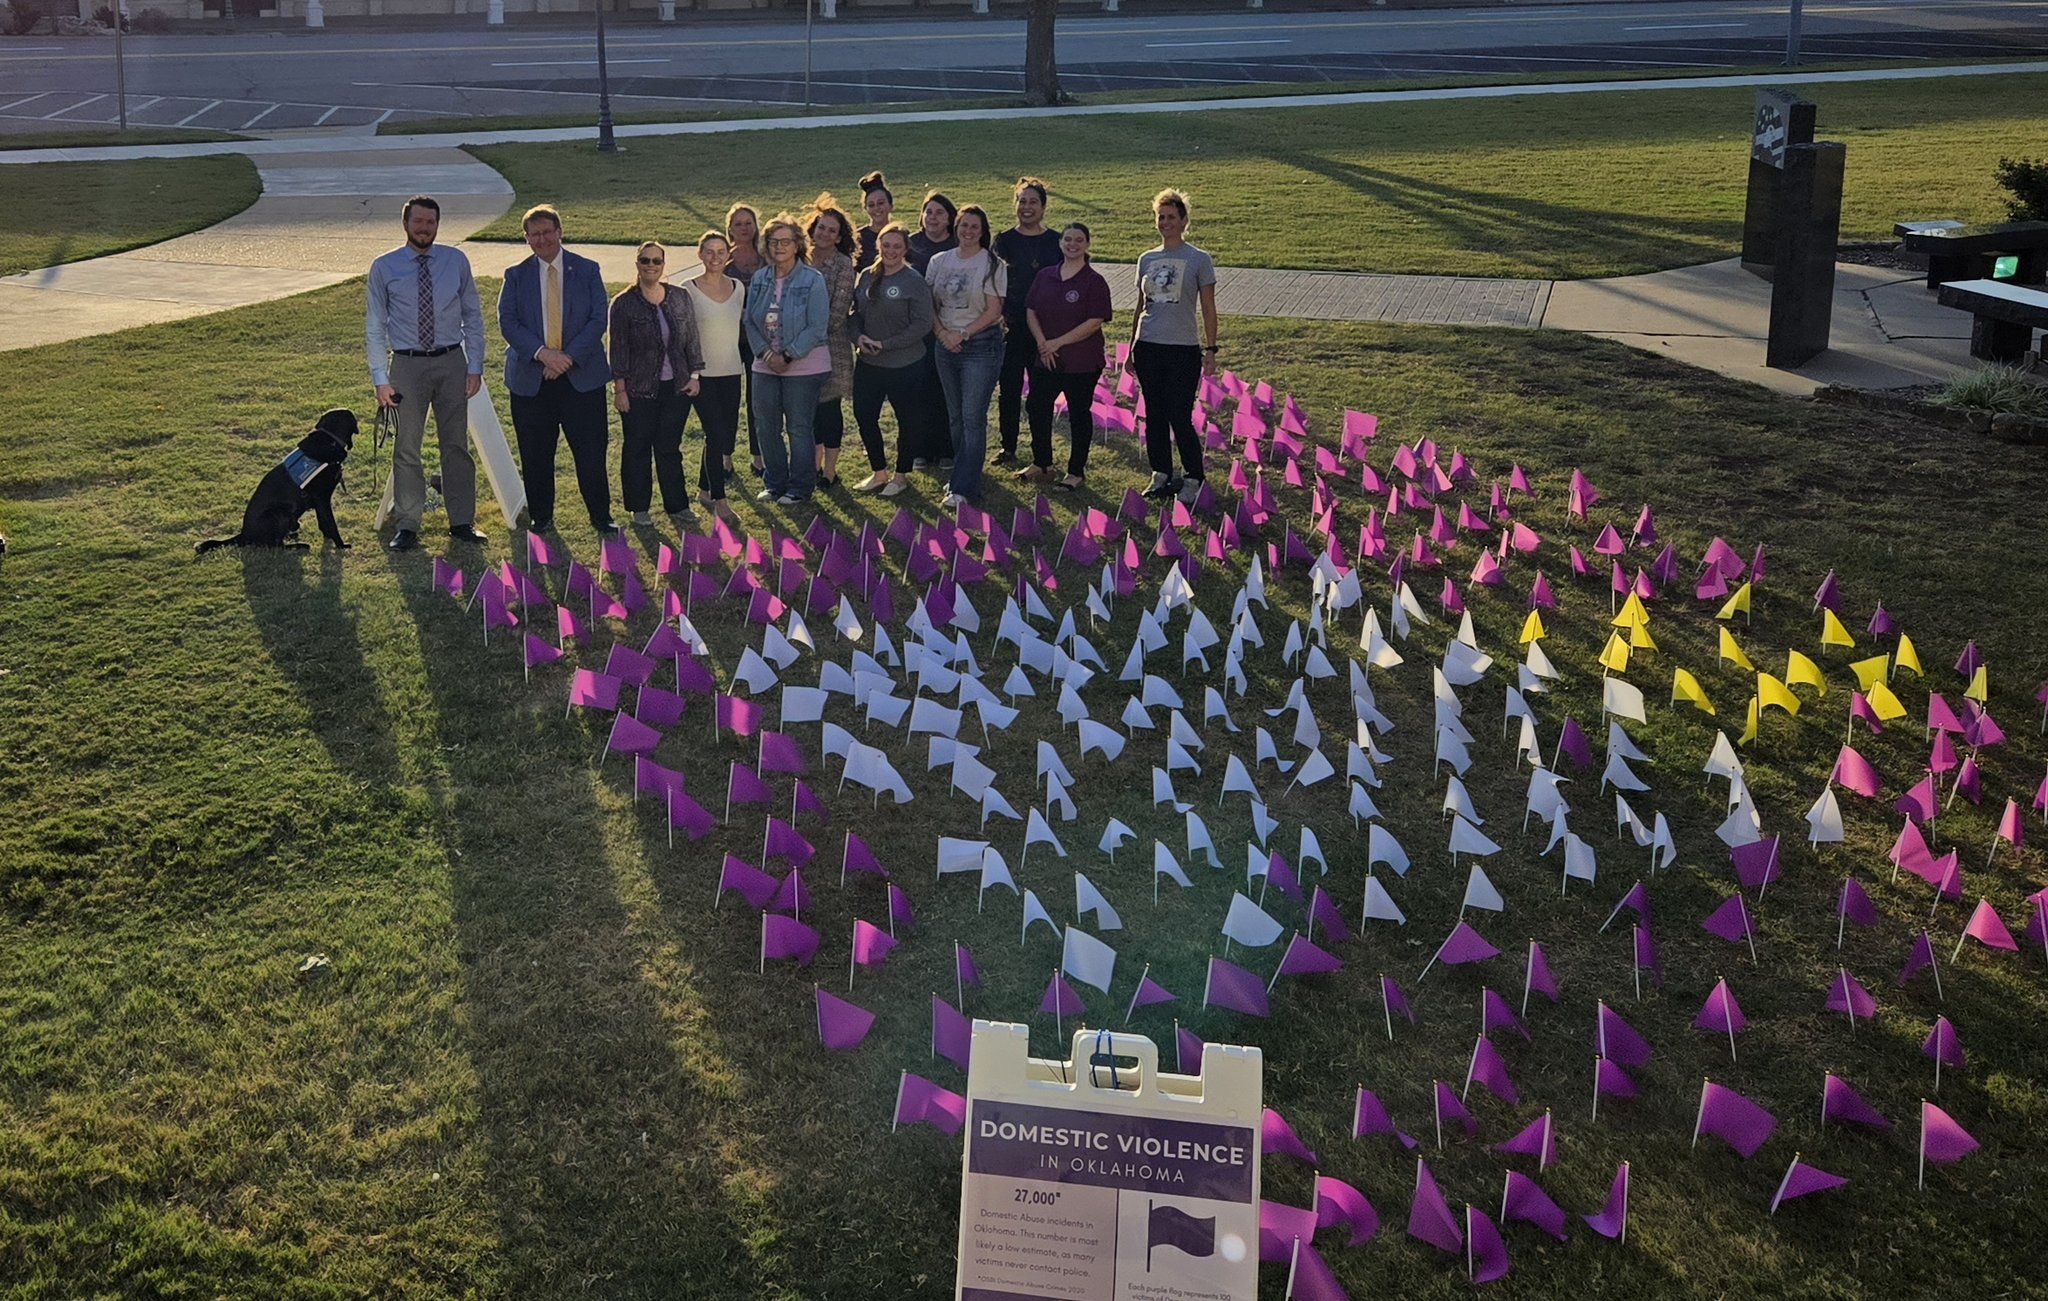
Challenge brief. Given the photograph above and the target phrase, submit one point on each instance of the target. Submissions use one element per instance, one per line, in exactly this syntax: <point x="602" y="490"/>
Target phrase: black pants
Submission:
<point x="903" y="388"/>
<point x="1168" y="375"/>
<point x="747" y="389"/>
<point x="829" y="428"/>
<point x="561" y="410"/>
<point x="718" y="411"/>
<point x="934" y="441"/>
<point x="1020" y="353"/>
<point x="1080" y="390"/>
<point x="653" y="430"/>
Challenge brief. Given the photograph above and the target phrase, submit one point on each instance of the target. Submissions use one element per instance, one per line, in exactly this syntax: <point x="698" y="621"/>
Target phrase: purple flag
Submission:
<point x="1842" y="1104"/>
<point x="841" y="1025"/>
<point x="1619" y="1040"/>
<point x="1942" y="1045"/>
<point x="779" y="753"/>
<point x="1322" y="912"/>
<point x="1538" y="1139"/>
<point x="1305" y="958"/>
<point x="1720" y="1014"/>
<point x="792" y="896"/>
<point x="859" y="858"/>
<point x="1495" y="1012"/>
<point x="1448" y="1108"/>
<point x="1369" y="1117"/>
<point x="871" y="944"/>
<point x="1279" y="1138"/>
<point x="1845" y="995"/>
<point x="1308" y="1274"/>
<point x="539" y="652"/>
<point x="1612" y="1221"/>
<point x="1280" y="1227"/>
<point x="650" y="778"/>
<point x="900" y="912"/>
<point x="1485" y="1253"/>
<point x="919" y="1101"/>
<point x="1060" y="998"/>
<point x="752" y="884"/>
<point x="1801" y="1179"/>
<point x="1429" y="1216"/>
<point x="1646" y="955"/>
<point x="1339" y="1205"/>
<point x="1727" y="1115"/>
<point x="1538" y="975"/>
<point x="688" y="814"/>
<point x="744" y="786"/>
<point x="1730" y="921"/>
<point x="965" y="973"/>
<point x="1390" y="995"/>
<point x="1464" y="945"/>
<point x="1610" y="1081"/>
<point x="1524" y="1201"/>
<point x="1855" y="905"/>
<point x="785" y="842"/>
<point x="1186" y="1048"/>
<point x="1229" y="985"/>
<point x="628" y="665"/>
<point x="631" y="736"/>
<point x="1942" y="1140"/>
<point x="1921" y="955"/>
<point x="952" y="1032"/>
<point x="1488" y="1069"/>
<point x="1574" y="746"/>
<point x="657" y="707"/>
<point x="1756" y="864"/>
<point x="1150" y="993"/>
<point x="594" y="690"/>
<point x="784" y="939"/>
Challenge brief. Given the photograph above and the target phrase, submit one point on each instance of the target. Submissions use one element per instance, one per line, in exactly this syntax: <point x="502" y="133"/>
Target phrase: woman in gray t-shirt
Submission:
<point x="1168" y="356"/>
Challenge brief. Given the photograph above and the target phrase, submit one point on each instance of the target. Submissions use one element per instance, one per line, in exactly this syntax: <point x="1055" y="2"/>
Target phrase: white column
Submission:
<point x="316" y="14"/>
<point x="494" y="15"/>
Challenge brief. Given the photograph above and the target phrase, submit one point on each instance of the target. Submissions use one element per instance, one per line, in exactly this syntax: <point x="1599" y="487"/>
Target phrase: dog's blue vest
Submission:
<point x="301" y="467"/>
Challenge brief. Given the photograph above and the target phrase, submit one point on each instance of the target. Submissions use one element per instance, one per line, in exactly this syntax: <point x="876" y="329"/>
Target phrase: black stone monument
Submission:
<point x="1790" y="224"/>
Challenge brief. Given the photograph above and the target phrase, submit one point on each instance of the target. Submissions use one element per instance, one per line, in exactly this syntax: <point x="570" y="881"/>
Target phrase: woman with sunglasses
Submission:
<point x="788" y="318"/>
<point x="656" y="362"/>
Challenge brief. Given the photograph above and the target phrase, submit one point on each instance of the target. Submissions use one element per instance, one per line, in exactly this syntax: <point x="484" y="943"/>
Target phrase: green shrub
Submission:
<point x="2025" y="181"/>
<point x="21" y="15"/>
<point x="1998" y="389"/>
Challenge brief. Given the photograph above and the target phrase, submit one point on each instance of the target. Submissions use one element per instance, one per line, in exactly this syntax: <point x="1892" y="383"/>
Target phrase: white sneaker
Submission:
<point x="764" y="495"/>
<point x="1160" y="486"/>
<point x="786" y="500"/>
<point x="873" y="483"/>
<point x="951" y="501"/>
<point x="643" y="519"/>
<point x="1190" y="489"/>
<point x="894" y="487"/>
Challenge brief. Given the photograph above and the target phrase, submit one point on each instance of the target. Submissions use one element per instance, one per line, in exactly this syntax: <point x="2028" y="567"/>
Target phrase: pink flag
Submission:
<point x="1231" y="986"/>
<point x="1369" y="1117"/>
<point x="1988" y="929"/>
<point x="1942" y="1140"/>
<point x="1612" y="1221"/>
<point x="871" y="944"/>
<point x="784" y="939"/>
<point x="1060" y="998"/>
<point x="538" y="552"/>
<point x="1280" y="1228"/>
<point x="2010" y="828"/>
<point x="841" y="1025"/>
<point x="569" y="625"/>
<point x="1429" y="1216"/>
<point x="594" y="690"/>
<point x="1727" y="1115"/>
<point x="1920" y="803"/>
<point x="1843" y="1105"/>
<point x="1486" y="1256"/>
<point x="1854" y="773"/>
<point x="1340" y="1206"/>
<point x="1279" y="1138"/>
<point x="952" y="1033"/>
<point x="447" y="578"/>
<point x="1524" y="1201"/>
<point x="919" y="1101"/>
<point x="1801" y="1179"/>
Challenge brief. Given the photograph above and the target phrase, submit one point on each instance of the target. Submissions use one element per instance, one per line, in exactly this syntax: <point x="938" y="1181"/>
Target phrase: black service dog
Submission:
<point x="305" y="480"/>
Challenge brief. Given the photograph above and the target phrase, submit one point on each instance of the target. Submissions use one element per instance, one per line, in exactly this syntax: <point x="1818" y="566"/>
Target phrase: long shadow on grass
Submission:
<point x="1484" y="221"/>
<point x="596" y="1124"/>
<point x="312" y="638"/>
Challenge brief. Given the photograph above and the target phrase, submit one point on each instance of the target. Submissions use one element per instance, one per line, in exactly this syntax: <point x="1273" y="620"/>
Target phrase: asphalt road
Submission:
<point x="358" y="77"/>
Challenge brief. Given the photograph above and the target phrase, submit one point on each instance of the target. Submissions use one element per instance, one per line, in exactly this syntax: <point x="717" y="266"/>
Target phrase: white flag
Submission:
<point x="1179" y="760"/>
<point x="1018" y="683"/>
<point x="929" y="716"/>
<point x="1545" y="800"/>
<point x="1088" y="899"/>
<point x="1618" y="743"/>
<point x="1618" y="697"/>
<point x="1311" y="851"/>
<point x="1113" y="835"/>
<point x="1625" y="820"/>
<point x="1156" y="693"/>
<point x="1663" y="849"/>
<point x="753" y="672"/>
<point x="1618" y="772"/>
<point x="1314" y="769"/>
<point x="1468" y="839"/>
<point x="775" y="648"/>
<point x="1458" y="800"/>
<point x="1049" y="762"/>
<point x="1199" y="841"/>
<point x="1480" y="892"/>
<point x="1539" y="663"/>
<point x="1722" y="762"/>
<point x="1213" y="707"/>
<point x="1450" y="750"/>
<point x="994" y="871"/>
<point x="1100" y="736"/>
<point x="1824" y="819"/>
<point x="846" y="623"/>
<point x="1362" y="807"/>
<point x="1034" y="911"/>
<point x="1251" y="925"/>
<point x="800" y="632"/>
<point x="1087" y="959"/>
<point x="1037" y="831"/>
<point x="1263" y="824"/>
<point x="1163" y="862"/>
<point x="1464" y="665"/>
<point x="1236" y="778"/>
<point x="957" y="855"/>
<point x="802" y="704"/>
<point x="1381" y="847"/>
<point x="1380" y="906"/>
<point x="1163" y="792"/>
<point x="1579" y="863"/>
<point x="1134" y="717"/>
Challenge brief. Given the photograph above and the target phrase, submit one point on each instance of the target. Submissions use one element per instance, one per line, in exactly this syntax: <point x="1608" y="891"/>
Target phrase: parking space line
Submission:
<point x="259" y="117"/>
<point x="24" y="100"/>
<point x="384" y="117"/>
<point x="73" y="108"/>
<point x="570" y="63"/>
<point x="328" y="114"/>
<point x="201" y="113"/>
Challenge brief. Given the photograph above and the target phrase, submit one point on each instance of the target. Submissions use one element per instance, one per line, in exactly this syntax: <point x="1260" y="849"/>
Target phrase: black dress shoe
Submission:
<point x="540" y="526"/>
<point x="404" y="540"/>
<point x="1003" y="458"/>
<point x="466" y="533"/>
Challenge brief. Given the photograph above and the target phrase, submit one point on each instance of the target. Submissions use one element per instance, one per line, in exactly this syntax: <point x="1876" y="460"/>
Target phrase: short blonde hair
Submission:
<point x="1174" y="197"/>
<point x="542" y="212"/>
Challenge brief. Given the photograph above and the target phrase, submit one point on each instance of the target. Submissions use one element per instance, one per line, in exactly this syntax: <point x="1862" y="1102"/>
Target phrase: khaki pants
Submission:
<point x="435" y="382"/>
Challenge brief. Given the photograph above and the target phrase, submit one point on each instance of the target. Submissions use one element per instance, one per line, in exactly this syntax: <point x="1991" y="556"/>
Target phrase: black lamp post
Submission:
<point x="606" y="144"/>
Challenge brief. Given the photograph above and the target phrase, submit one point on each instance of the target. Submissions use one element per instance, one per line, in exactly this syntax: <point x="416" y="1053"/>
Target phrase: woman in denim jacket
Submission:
<point x="788" y="317"/>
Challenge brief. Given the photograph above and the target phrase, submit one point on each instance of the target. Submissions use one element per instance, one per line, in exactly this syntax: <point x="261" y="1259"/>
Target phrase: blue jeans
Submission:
<point x="792" y="464"/>
<point x="968" y="378"/>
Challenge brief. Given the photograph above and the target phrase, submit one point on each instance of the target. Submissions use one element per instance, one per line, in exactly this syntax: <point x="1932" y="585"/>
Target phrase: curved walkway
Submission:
<point x="329" y="207"/>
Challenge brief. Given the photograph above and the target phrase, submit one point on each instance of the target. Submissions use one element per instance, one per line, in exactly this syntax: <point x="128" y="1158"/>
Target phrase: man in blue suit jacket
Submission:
<point x="552" y="312"/>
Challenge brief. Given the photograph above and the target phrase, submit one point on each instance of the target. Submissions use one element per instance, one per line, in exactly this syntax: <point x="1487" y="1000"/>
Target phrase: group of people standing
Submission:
<point x="788" y="320"/>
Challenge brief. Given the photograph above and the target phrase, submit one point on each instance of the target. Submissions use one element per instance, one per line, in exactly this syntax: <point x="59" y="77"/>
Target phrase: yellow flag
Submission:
<point x="1870" y="671"/>
<point x="1773" y="693"/>
<point x="1750" y="724"/>
<point x="1684" y="686"/>
<point x="1979" y="689"/>
<point x="1632" y="613"/>
<point x="1832" y="633"/>
<point x="1733" y="653"/>
<point x="1737" y="603"/>
<point x="1615" y="657"/>
<point x="1532" y="628"/>
<point x="1884" y="703"/>
<point x="1905" y="657"/>
<point x="1800" y="669"/>
<point x="1639" y="637"/>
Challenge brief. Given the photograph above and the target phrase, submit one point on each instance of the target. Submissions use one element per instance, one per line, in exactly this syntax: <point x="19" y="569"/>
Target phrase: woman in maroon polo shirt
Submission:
<point x="1066" y="310"/>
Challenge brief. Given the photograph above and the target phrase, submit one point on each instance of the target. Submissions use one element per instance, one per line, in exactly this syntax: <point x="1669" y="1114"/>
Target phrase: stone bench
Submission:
<point x="1955" y="251"/>
<point x="2005" y="316"/>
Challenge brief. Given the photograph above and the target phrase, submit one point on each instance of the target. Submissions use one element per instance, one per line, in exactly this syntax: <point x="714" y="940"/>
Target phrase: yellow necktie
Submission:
<point x="554" y="309"/>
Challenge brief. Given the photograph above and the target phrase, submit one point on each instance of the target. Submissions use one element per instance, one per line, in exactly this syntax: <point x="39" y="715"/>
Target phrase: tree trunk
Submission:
<point x="1041" y="69"/>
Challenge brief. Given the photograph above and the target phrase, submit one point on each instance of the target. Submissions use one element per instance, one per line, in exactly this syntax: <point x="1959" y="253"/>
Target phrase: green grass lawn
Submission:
<point x="1568" y="186"/>
<point x="89" y="136"/>
<point x="66" y="212"/>
<point x="544" y="1067"/>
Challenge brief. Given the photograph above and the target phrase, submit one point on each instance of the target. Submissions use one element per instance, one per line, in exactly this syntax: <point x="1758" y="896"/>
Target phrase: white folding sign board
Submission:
<point x="1084" y="1184"/>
